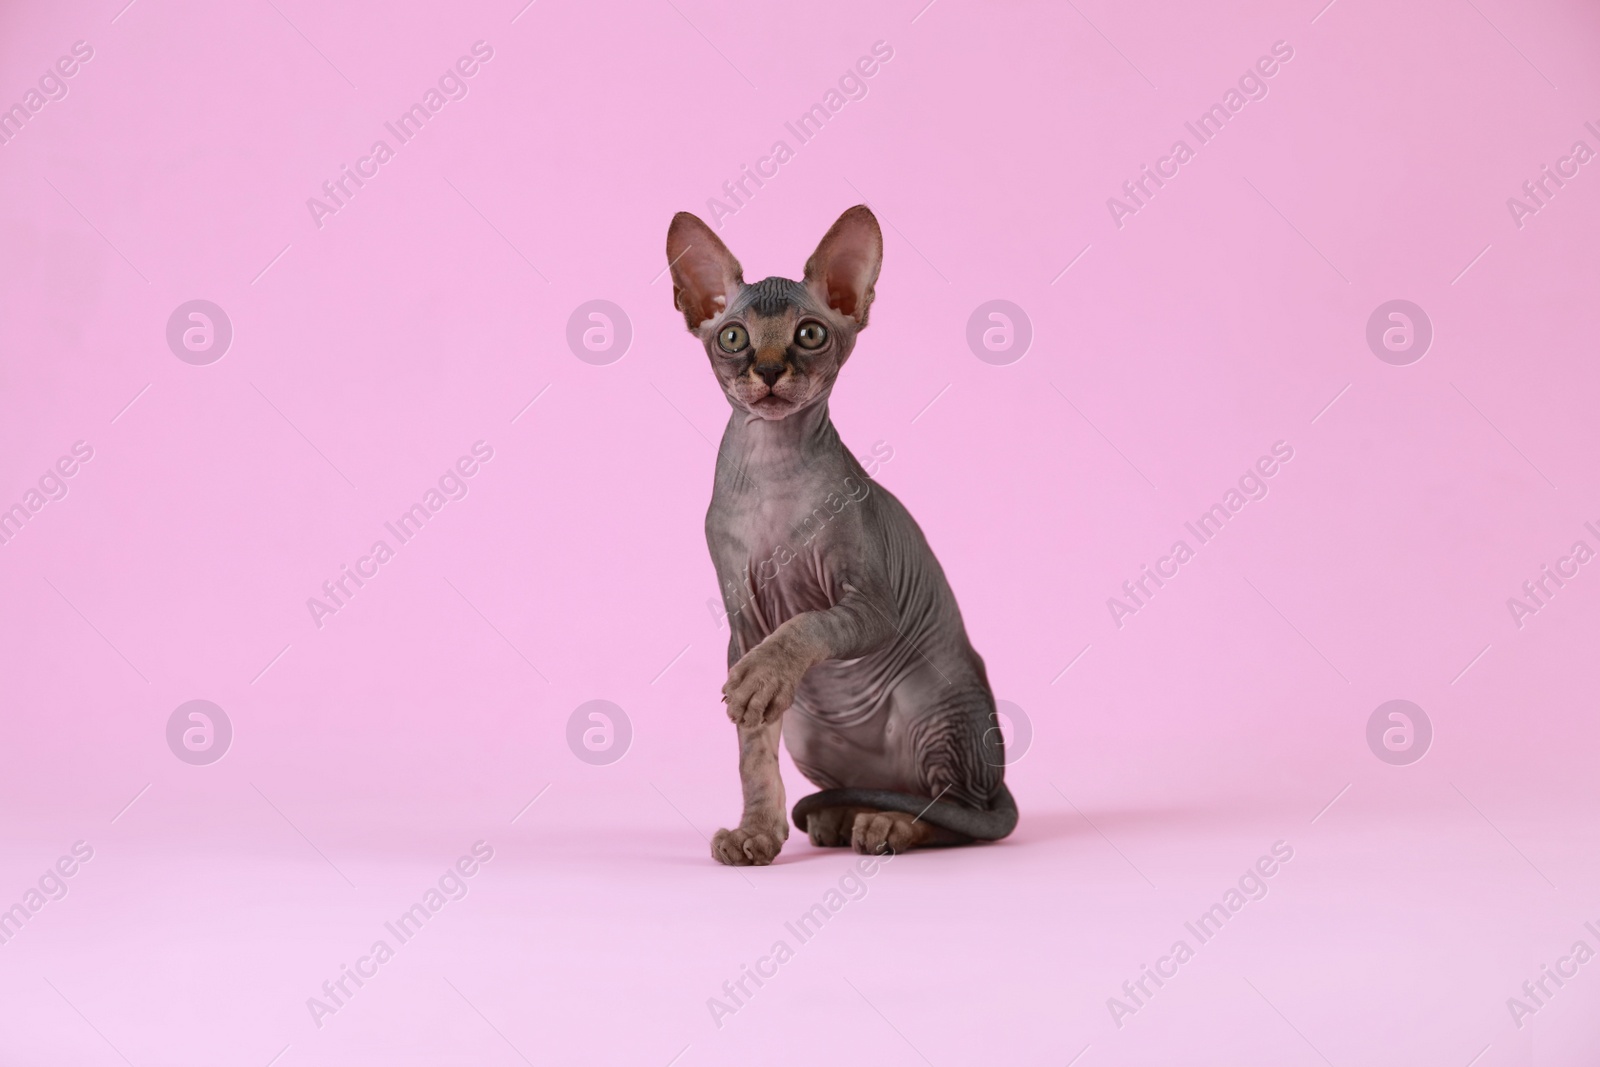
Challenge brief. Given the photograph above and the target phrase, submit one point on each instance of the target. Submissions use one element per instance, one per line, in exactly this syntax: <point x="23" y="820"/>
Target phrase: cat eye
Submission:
<point x="733" y="339"/>
<point x="811" y="335"/>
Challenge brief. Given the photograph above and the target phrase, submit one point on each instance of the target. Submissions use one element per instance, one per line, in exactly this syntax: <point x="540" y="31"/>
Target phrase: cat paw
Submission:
<point x="877" y="832"/>
<point x="741" y="847"/>
<point x="831" y="827"/>
<point x="761" y="685"/>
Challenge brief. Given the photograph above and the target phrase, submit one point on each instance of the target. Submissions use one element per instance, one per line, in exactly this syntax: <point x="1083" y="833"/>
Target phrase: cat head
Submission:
<point x="776" y="346"/>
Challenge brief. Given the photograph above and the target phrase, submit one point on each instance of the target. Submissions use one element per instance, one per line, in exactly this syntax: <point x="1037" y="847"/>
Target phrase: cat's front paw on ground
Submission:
<point x="746" y="847"/>
<point x="761" y="685"/>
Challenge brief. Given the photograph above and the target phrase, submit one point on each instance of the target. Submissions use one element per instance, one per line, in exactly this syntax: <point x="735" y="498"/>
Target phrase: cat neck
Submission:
<point x="764" y="452"/>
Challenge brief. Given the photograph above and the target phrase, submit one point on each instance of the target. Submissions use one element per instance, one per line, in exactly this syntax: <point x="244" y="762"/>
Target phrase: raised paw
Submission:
<point x="876" y="832"/>
<point x="741" y="847"/>
<point x="761" y="685"/>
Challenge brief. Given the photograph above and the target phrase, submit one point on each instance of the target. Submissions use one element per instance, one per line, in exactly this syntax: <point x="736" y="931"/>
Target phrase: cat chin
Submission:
<point x="772" y="408"/>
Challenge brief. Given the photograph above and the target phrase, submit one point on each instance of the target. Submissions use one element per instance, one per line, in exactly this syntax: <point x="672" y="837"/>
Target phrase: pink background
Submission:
<point x="370" y="353"/>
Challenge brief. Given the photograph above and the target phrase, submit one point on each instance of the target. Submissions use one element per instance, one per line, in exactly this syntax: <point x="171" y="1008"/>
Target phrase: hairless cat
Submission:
<point x="844" y="633"/>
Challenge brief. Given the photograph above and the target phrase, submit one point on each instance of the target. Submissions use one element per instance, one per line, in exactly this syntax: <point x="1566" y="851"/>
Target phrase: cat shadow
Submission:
<point x="1033" y="829"/>
<point x="1043" y="827"/>
<point x="1056" y="824"/>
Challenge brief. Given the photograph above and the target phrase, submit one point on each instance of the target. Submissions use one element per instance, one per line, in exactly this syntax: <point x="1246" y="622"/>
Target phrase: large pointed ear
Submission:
<point x="705" y="276"/>
<point x="844" y="268"/>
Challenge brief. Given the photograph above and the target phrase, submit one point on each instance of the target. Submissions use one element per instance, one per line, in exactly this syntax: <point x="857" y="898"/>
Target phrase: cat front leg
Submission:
<point x="764" y="826"/>
<point x="762" y="683"/>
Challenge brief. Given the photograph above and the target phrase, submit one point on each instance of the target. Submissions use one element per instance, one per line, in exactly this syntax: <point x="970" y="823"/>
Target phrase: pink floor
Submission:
<point x="599" y="933"/>
<point x="1413" y="502"/>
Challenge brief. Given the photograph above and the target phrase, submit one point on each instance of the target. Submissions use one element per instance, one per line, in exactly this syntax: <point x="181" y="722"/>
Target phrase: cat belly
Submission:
<point x="847" y="727"/>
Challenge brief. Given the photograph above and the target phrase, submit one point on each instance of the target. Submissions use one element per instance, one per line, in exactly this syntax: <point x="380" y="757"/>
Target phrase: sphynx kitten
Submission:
<point x="844" y="633"/>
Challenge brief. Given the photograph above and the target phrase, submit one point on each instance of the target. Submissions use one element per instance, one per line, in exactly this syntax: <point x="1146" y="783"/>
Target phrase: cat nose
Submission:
<point x="769" y="373"/>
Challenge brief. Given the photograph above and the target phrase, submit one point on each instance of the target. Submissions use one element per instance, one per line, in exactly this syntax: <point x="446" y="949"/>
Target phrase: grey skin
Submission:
<point x="844" y="635"/>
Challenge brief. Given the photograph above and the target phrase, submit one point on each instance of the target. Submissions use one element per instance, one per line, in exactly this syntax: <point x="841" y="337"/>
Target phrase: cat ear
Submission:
<point x="705" y="276"/>
<point x="844" y="268"/>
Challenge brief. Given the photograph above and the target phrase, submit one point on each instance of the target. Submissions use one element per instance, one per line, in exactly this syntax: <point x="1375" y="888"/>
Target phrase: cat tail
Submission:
<point x="989" y="825"/>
